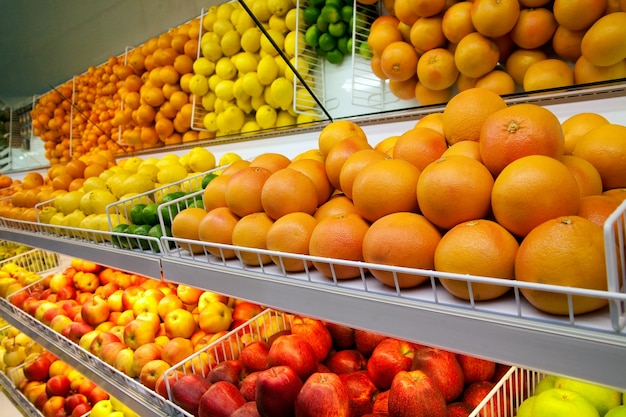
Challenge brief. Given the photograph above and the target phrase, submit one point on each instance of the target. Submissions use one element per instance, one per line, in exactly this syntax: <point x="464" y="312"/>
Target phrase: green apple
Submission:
<point x="603" y="398"/>
<point x="619" y="411"/>
<point x="557" y="402"/>
<point x="525" y="408"/>
<point x="545" y="384"/>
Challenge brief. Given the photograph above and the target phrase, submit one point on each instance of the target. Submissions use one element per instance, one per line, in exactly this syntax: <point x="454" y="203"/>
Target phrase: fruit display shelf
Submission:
<point x="17" y="397"/>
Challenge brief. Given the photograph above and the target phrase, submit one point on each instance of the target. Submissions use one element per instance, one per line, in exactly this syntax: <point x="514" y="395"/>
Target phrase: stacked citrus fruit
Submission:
<point x="482" y="189"/>
<point x="429" y="49"/>
<point x="329" y="28"/>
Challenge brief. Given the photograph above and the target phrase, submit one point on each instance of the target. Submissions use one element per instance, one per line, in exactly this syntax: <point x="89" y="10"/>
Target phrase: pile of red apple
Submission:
<point x="321" y="369"/>
<point x="58" y="390"/>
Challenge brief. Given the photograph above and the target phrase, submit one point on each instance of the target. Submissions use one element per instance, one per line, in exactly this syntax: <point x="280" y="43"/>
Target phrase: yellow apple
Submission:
<point x="209" y="296"/>
<point x="139" y="332"/>
<point x="215" y="317"/>
<point x="151" y="371"/>
<point x="125" y="317"/>
<point x="146" y="304"/>
<point x="168" y="303"/>
<point x="179" y="323"/>
<point x="188" y="295"/>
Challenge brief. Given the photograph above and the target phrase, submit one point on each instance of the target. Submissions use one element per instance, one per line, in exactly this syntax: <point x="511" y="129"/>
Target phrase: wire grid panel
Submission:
<point x="38" y="261"/>
<point x="614" y="246"/>
<point x="229" y="346"/>
<point x="197" y="109"/>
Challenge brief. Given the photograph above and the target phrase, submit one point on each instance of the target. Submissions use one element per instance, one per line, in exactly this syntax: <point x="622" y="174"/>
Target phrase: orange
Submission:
<point x="376" y="68"/>
<point x="494" y="18"/>
<point x="618" y="193"/>
<point x="76" y="168"/>
<point x="500" y="82"/>
<point x="566" y="251"/>
<point x="153" y="96"/>
<point x="597" y="208"/>
<point x="217" y="227"/>
<point x="605" y="147"/>
<point x="518" y="62"/>
<point x="386" y="145"/>
<point x="337" y="131"/>
<point x="532" y="190"/>
<point x="519" y="130"/>
<point x="427" y="7"/>
<point x="578" y="14"/>
<point x="76" y="184"/>
<point x="401" y="239"/>
<point x="566" y="43"/>
<point x="338" y="155"/>
<point x="404" y="90"/>
<point x="354" y="164"/>
<point x="33" y="180"/>
<point x="62" y="181"/>
<point x="480" y="248"/>
<point x="433" y="121"/>
<point x="436" y="69"/>
<point x="586" y="175"/>
<point x="534" y="28"/>
<point x="185" y="226"/>
<point x="385" y="187"/>
<point x="586" y="72"/>
<point x="427" y="96"/>
<point x="420" y="146"/>
<point x="288" y="191"/>
<point x="215" y="192"/>
<point x="270" y="161"/>
<point x="382" y="35"/>
<point x="235" y="166"/>
<point x="251" y="232"/>
<point x="403" y="12"/>
<point x="243" y="191"/>
<point x="476" y="54"/>
<point x="427" y="33"/>
<point x="457" y="21"/>
<point x="466" y="112"/>
<point x="548" y="73"/>
<point x="93" y="170"/>
<point x="339" y="237"/>
<point x="399" y="61"/>
<point x="603" y="43"/>
<point x="316" y="172"/>
<point x="577" y="126"/>
<point x="467" y="148"/>
<point x="291" y="233"/>
<point x="337" y="204"/>
<point x="454" y="189"/>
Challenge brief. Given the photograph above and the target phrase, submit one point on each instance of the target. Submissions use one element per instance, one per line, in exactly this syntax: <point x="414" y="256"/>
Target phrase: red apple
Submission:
<point x="97" y="394"/>
<point x="255" y="356"/>
<point x="220" y="400"/>
<point x="81" y="410"/>
<point x="109" y="352"/>
<point x="231" y="371"/>
<point x="442" y="368"/>
<point x="381" y="403"/>
<point x="244" y="311"/>
<point x="43" y="307"/>
<point x="72" y="401"/>
<point x="95" y="311"/>
<point x="144" y="354"/>
<point x="366" y="341"/>
<point x="414" y="393"/>
<point x="294" y="351"/>
<point x="249" y="409"/>
<point x="74" y="331"/>
<point x="18" y="298"/>
<point x="248" y="386"/>
<point x="54" y="407"/>
<point x="100" y="340"/>
<point x="161" y="385"/>
<point x="343" y="336"/>
<point x="188" y="295"/>
<point x="187" y="391"/>
<point x="115" y="300"/>
<point x="323" y="395"/>
<point x="179" y="323"/>
<point x="130" y="296"/>
<point x="85" y="387"/>
<point x="361" y="392"/>
<point x="86" y="281"/>
<point x="315" y="333"/>
<point x="459" y="409"/>
<point x="32" y="390"/>
<point x="477" y="391"/>
<point x="345" y="361"/>
<point x="60" y="322"/>
<point x="276" y="391"/>
<point x="41" y="399"/>
<point x="151" y="371"/>
<point x="58" y="385"/>
<point x="38" y="369"/>
<point x="476" y="369"/>
<point x="124" y="362"/>
<point x="66" y="293"/>
<point x="388" y="358"/>
<point x="59" y="281"/>
<point x="106" y="290"/>
<point x="139" y="332"/>
<point x="176" y="349"/>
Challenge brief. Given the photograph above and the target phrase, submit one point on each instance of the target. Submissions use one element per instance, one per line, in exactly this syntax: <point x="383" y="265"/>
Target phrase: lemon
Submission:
<point x="266" y="116"/>
<point x="224" y="90"/>
<point x="46" y="213"/>
<point x="279" y="7"/>
<point x="137" y="183"/>
<point x="277" y="23"/>
<point x="152" y="160"/>
<point x="228" y="158"/>
<point x="249" y="127"/>
<point x="96" y="201"/>
<point x="268" y="47"/>
<point x="252" y="85"/>
<point x="184" y="161"/>
<point x="208" y="101"/>
<point x="245" y="104"/>
<point x="203" y="66"/>
<point x="201" y="159"/>
<point x="230" y="120"/>
<point x="238" y="92"/>
<point x="282" y="92"/>
<point x="150" y="170"/>
<point x="292" y="17"/>
<point x="291" y="40"/>
<point x="167" y="159"/>
<point x="285" y="119"/>
<point x="234" y="15"/>
<point x="221" y="26"/>
<point x="307" y="117"/>
<point x="106" y="174"/>
<point x="93" y="183"/>
<point x="280" y="62"/>
<point x="214" y="81"/>
<point x="171" y="173"/>
<point x="251" y="40"/>
<point x="198" y="85"/>
<point x="115" y="184"/>
<point x="68" y="202"/>
<point x="244" y="22"/>
<point x="192" y="183"/>
<point x="257" y="102"/>
<point x="225" y="68"/>
<point x="230" y="42"/>
<point x="224" y="10"/>
<point x="74" y="218"/>
<point x="131" y="164"/>
<point x="210" y="46"/>
<point x="246" y="62"/>
<point x="267" y="70"/>
<point x="261" y="10"/>
<point x="304" y="100"/>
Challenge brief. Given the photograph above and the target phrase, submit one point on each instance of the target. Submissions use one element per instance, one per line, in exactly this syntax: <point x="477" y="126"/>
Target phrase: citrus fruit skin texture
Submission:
<point x="291" y="233"/>
<point x="251" y="231"/>
<point x="185" y="226"/>
<point x="567" y="251"/>
<point x="605" y="147"/>
<point x="217" y="227"/>
<point x="480" y="248"/>
<point x="401" y="239"/>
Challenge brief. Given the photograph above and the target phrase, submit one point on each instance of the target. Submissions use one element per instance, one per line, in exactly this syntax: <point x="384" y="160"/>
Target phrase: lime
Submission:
<point x="312" y="36"/>
<point x="170" y="211"/>
<point x="338" y="29"/>
<point x="347" y="13"/>
<point x="142" y="231"/>
<point x="334" y="56"/>
<point x="120" y="241"/>
<point x="311" y="13"/>
<point x="336" y="3"/>
<point x="320" y="52"/>
<point x="207" y="179"/>
<point x="135" y="213"/>
<point x="318" y="3"/>
<point x="342" y="45"/>
<point x="322" y="24"/>
<point x="156" y="232"/>
<point x="327" y="42"/>
<point x="330" y="13"/>
<point x="365" y="51"/>
<point x="150" y="214"/>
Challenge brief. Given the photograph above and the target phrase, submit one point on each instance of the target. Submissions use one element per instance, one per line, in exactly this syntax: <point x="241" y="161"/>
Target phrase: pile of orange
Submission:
<point x="429" y="53"/>
<point x="495" y="203"/>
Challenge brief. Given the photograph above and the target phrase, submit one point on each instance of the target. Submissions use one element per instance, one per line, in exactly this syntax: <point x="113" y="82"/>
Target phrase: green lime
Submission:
<point x="142" y="231"/>
<point x="365" y="51"/>
<point x="120" y="241"/>
<point x="150" y="214"/>
<point x="337" y="29"/>
<point x="311" y="13"/>
<point x="170" y="211"/>
<point x="334" y="56"/>
<point x="196" y="203"/>
<point x="335" y="3"/>
<point x="321" y="24"/>
<point x="320" y="52"/>
<point x="330" y="13"/>
<point x="207" y="179"/>
<point x="342" y="45"/>
<point x="347" y="13"/>
<point x="156" y="232"/>
<point x="173" y="196"/>
<point x="135" y="213"/>
<point x="318" y="3"/>
<point x="327" y="41"/>
<point x="312" y="36"/>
